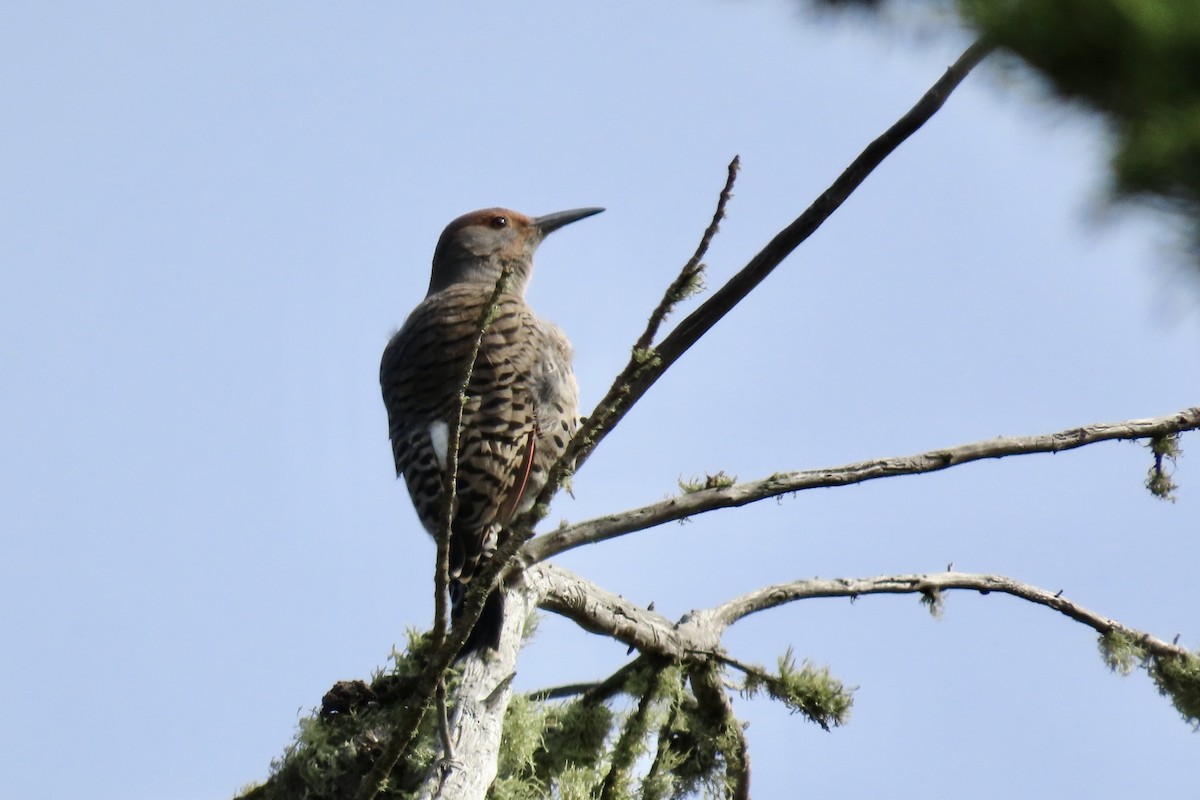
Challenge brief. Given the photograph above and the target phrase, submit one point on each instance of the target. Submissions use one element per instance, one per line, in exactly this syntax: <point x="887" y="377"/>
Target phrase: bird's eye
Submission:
<point x="499" y="222"/>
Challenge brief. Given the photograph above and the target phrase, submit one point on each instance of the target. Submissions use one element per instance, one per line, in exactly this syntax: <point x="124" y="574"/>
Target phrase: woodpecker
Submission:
<point x="521" y="402"/>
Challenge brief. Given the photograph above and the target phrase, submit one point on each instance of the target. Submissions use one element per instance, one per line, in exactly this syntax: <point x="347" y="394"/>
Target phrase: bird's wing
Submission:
<point x="557" y="399"/>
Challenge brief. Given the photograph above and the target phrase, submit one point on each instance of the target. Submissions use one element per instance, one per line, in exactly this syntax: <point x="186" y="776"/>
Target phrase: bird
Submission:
<point x="521" y="404"/>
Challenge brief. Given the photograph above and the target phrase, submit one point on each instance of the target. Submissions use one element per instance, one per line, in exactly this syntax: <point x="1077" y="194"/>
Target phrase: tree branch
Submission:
<point x="641" y="374"/>
<point x="933" y="583"/>
<point x="698" y="633"/>
<point x="688" y="505"/>
<point x="641" y="360"/>
<point x="600" y="611"/>
<point x="714" y="700"/>
<point x="595" y="692"/>
<point x="686" y="282"/>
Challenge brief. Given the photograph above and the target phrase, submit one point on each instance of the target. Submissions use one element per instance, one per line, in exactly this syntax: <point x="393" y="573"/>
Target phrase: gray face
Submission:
<point x="498" y="234"/>
<point x="476" y="247"/>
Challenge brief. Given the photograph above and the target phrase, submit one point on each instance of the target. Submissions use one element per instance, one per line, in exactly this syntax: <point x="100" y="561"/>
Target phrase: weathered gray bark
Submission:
<point x="479" y="701"/>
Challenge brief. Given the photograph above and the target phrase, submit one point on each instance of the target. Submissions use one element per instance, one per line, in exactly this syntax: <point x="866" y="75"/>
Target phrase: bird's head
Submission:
<point x="476" y="247"/>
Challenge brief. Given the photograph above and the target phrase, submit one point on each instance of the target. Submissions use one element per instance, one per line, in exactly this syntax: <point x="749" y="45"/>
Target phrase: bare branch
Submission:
<point x="699" y="502"/>
<point x="692" y="270"/>
<point x="780" y="594"/>
<point x="698" y="633"/>
<point x="642" y="359"/>
<point x="600" y="611"/>
<point x="562" y="692"/>
<point x="631" y="385"/>
<point x="616" y="682"/>
<point x="597" y="692"/>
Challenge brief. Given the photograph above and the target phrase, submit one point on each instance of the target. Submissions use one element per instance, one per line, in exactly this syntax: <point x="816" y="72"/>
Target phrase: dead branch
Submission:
<point x="689" y="505"/>
<point x="598" y="610"/>
<point x="625" y="391"/>
<point x="640" y="374"/>
<point x="780" y="594"/>
<point x="698" y="633"/>
<point x="685" y="282"/>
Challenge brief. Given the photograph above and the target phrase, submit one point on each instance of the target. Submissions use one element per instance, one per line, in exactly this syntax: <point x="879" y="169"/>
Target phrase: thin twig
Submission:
<point x="595" y="692"/>
<point x="624" y="393"/>
<point x="692" y="270"/>
<point x="641" y="359"/>
<point x="689" y="505"/>
<point x="615" y="683"/>
<point x="561" y="692"/>
<point x="753" y="670"/>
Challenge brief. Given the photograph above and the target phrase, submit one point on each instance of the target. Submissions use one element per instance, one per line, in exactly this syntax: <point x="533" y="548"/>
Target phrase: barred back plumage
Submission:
<point x="521" y="401"/>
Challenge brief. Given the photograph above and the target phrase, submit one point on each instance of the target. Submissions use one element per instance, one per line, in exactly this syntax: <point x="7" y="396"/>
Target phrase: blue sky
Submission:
<point x="214" y="216"/>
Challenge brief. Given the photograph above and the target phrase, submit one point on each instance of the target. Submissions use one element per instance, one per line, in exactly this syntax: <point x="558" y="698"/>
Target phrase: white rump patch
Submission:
<point x="439" y="437"/>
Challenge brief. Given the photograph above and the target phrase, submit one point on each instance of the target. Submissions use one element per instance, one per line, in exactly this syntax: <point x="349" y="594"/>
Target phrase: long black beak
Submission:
<point x="552" y="222"/>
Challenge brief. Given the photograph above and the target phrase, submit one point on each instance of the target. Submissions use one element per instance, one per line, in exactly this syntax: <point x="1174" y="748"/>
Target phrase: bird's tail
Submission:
<point x="486" y="633"/>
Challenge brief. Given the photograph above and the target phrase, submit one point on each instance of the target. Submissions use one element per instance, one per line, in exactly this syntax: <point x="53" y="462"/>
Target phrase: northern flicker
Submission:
<point x="521" y="403"/>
